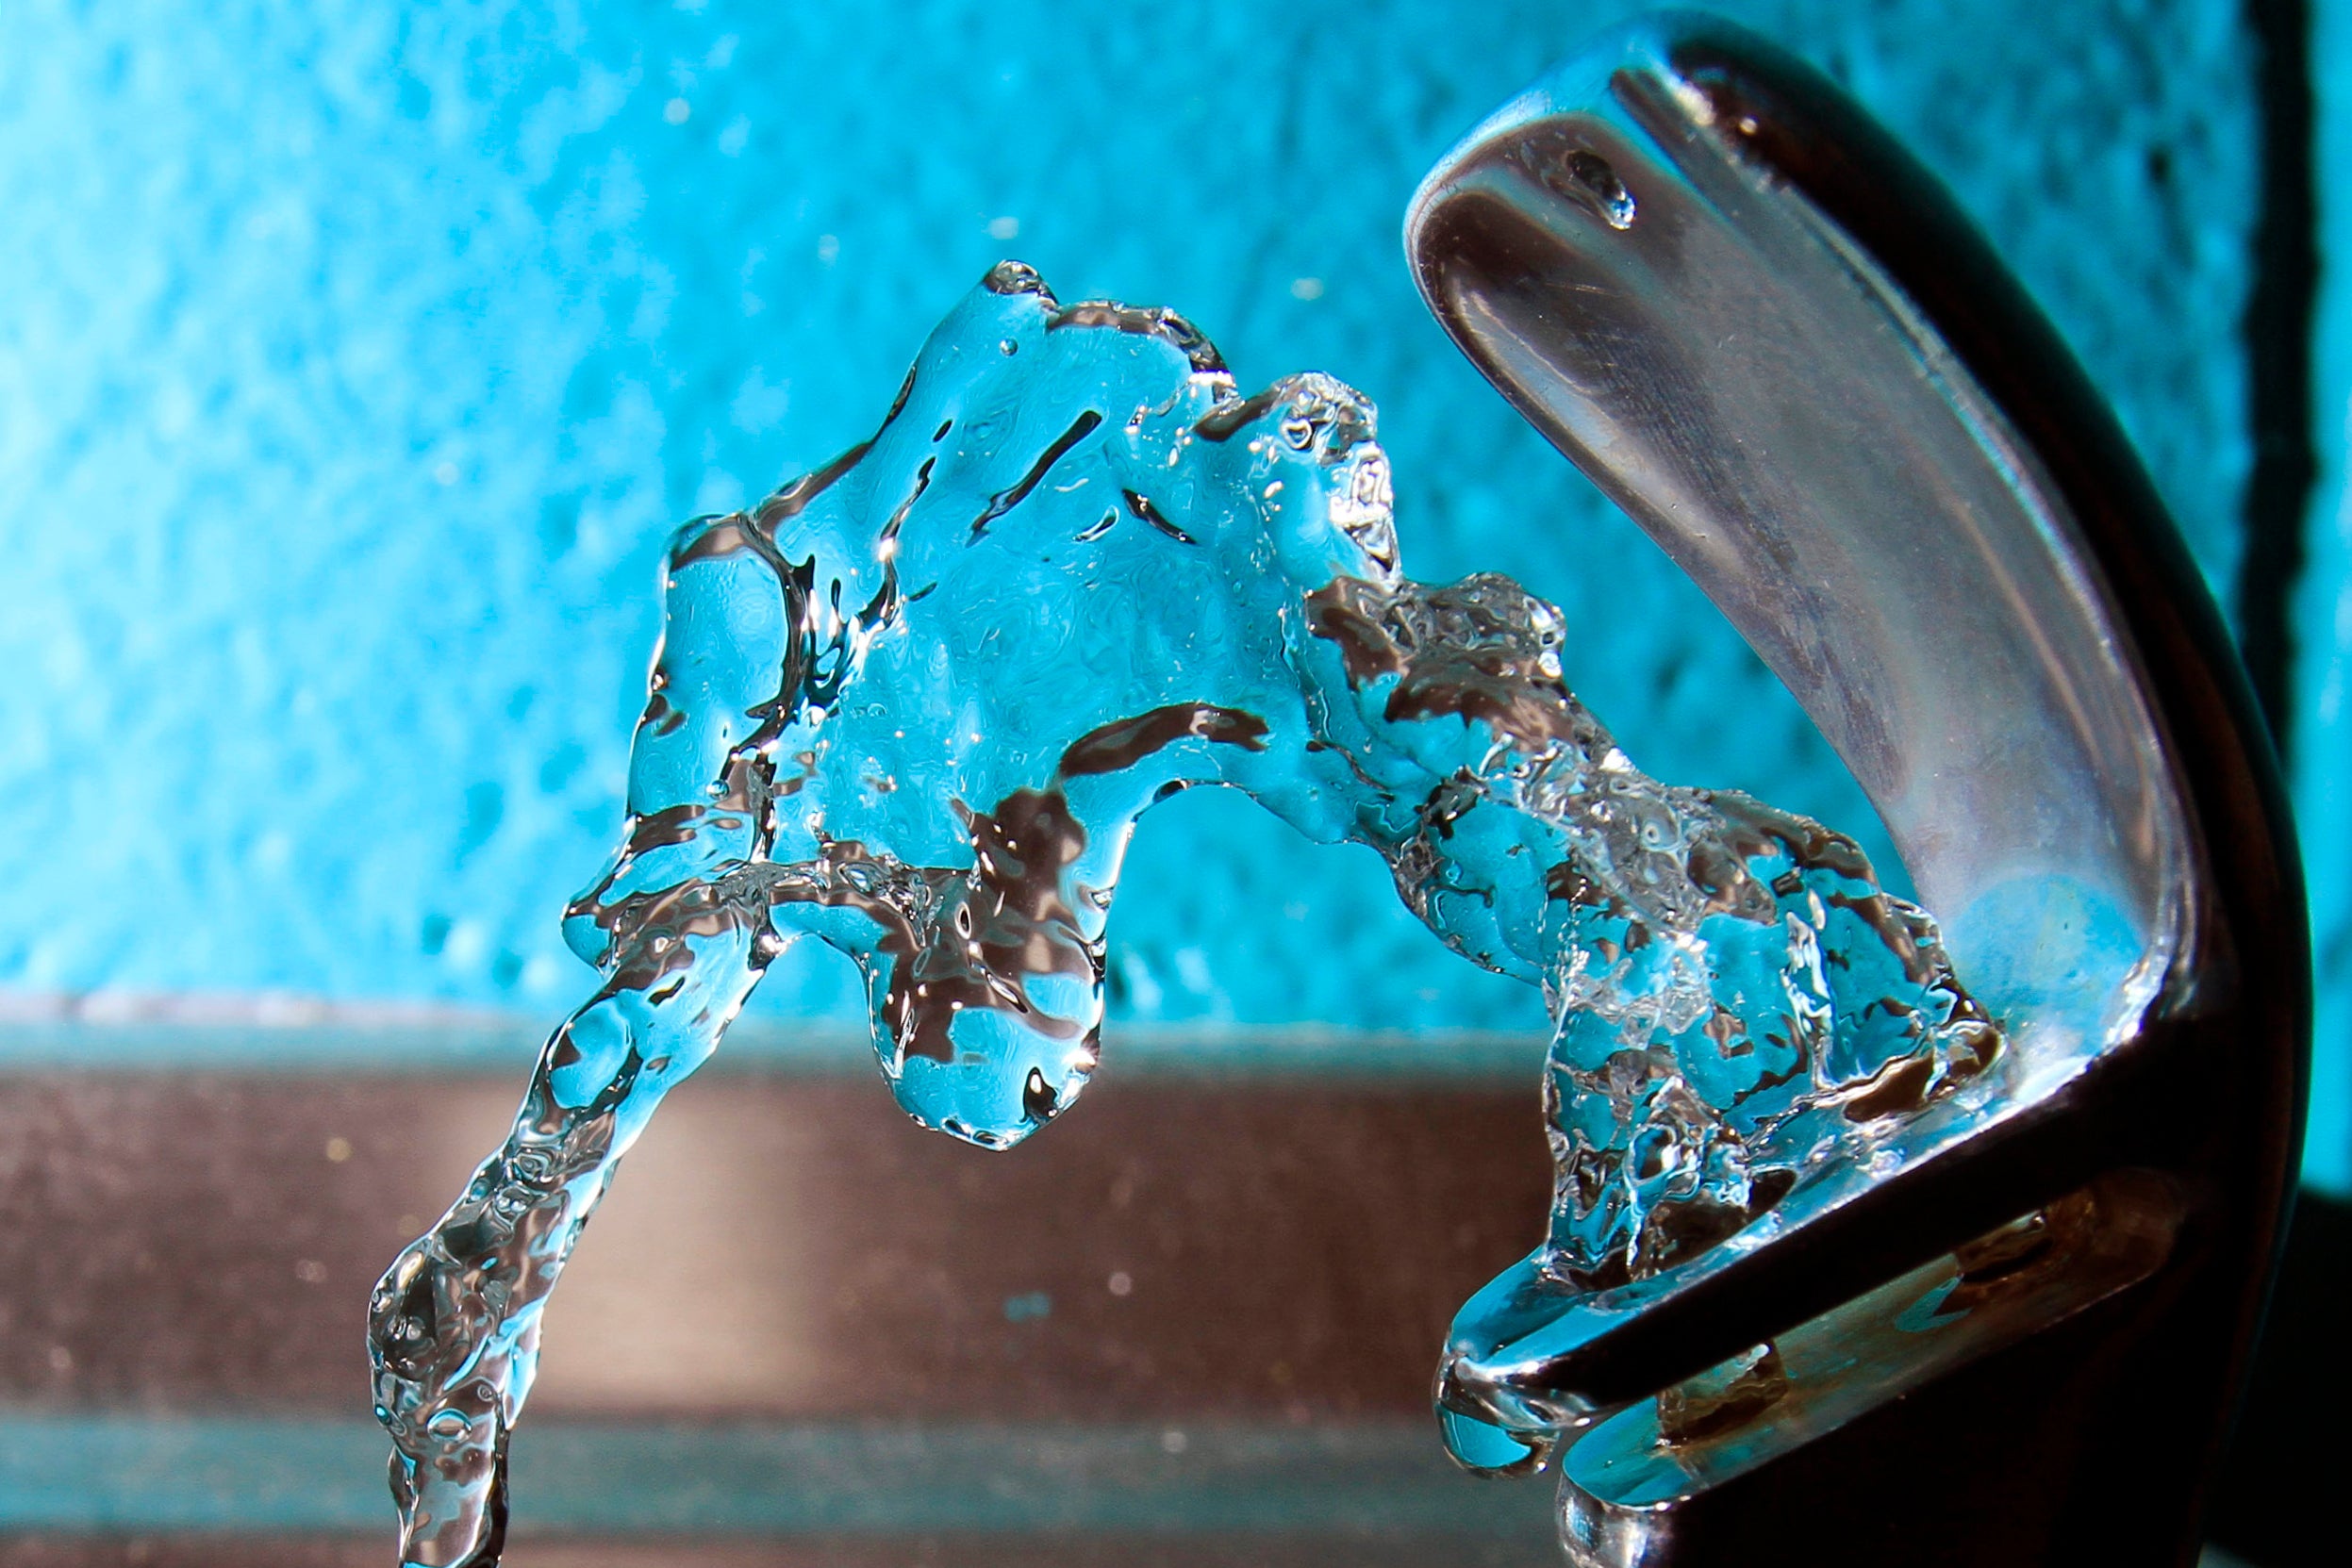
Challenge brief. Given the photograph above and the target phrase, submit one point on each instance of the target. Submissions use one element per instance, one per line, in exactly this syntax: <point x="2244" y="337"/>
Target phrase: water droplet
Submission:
<point x="1482" y="1445"/>
<point x="1593" y="173"/>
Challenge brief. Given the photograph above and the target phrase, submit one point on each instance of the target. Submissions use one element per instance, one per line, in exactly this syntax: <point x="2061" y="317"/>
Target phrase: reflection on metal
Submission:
<point x="1882" y="1345"/>
<point x="1767" y="334"/>
<point x="1765" y="399"/>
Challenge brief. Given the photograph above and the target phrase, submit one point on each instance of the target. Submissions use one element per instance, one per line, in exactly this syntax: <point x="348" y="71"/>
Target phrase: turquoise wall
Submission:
<point x="2320" y="739"/>
<point x="355" y="360"/>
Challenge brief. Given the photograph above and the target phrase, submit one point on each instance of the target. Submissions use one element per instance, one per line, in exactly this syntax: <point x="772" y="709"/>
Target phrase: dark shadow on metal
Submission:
<point x="2275" y="1503"/>
<point x="2017" y="1336"/>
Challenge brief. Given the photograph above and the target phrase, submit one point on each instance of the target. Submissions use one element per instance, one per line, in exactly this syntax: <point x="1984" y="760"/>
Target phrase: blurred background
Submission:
<point x="355" y="360"/>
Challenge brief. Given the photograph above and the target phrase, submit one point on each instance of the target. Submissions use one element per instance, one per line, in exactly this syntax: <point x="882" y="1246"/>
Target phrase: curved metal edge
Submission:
<point x="2219" y="1102"/>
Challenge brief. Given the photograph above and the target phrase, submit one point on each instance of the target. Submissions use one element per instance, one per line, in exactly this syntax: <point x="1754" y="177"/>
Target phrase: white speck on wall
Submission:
<point x="677" y="112"/>
<point x="1306" y="288"/>
<point x="1145" y="994"/>
<point x="544" y="975"/>
<point x="718" y="492"/>
<point x="1004" y="228"/>
<point x="467" y="945"/>
<point x="760" y="404"/>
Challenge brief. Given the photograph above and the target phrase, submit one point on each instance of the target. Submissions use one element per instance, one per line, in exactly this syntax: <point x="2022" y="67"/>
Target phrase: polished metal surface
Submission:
<point x="1616" y="250"/>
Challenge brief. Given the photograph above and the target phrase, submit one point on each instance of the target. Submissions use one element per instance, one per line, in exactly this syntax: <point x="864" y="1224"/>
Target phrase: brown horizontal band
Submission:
<point x="782" y="1245"/>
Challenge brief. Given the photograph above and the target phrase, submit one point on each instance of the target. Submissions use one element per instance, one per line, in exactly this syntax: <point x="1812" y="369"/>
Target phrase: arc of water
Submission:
<point x="914" y="703"/>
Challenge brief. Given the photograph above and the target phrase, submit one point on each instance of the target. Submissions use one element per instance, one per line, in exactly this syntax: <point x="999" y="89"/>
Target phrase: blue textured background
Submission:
<point x="2320" y="754"/>
<point x="354" y="363"/>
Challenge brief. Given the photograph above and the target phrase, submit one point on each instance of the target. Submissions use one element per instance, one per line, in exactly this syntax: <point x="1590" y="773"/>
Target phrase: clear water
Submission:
<point x="913" y="704"/>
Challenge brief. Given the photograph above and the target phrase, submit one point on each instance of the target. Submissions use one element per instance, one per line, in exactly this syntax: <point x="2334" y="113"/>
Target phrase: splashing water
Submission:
<point x="913" y="704"/>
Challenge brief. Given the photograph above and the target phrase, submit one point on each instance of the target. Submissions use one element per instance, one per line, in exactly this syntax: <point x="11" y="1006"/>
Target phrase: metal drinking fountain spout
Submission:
<point x="2016" y="1335"/>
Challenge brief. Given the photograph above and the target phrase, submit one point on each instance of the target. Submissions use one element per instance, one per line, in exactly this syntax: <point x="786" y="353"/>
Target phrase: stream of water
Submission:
<point x="913" y="704"/>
